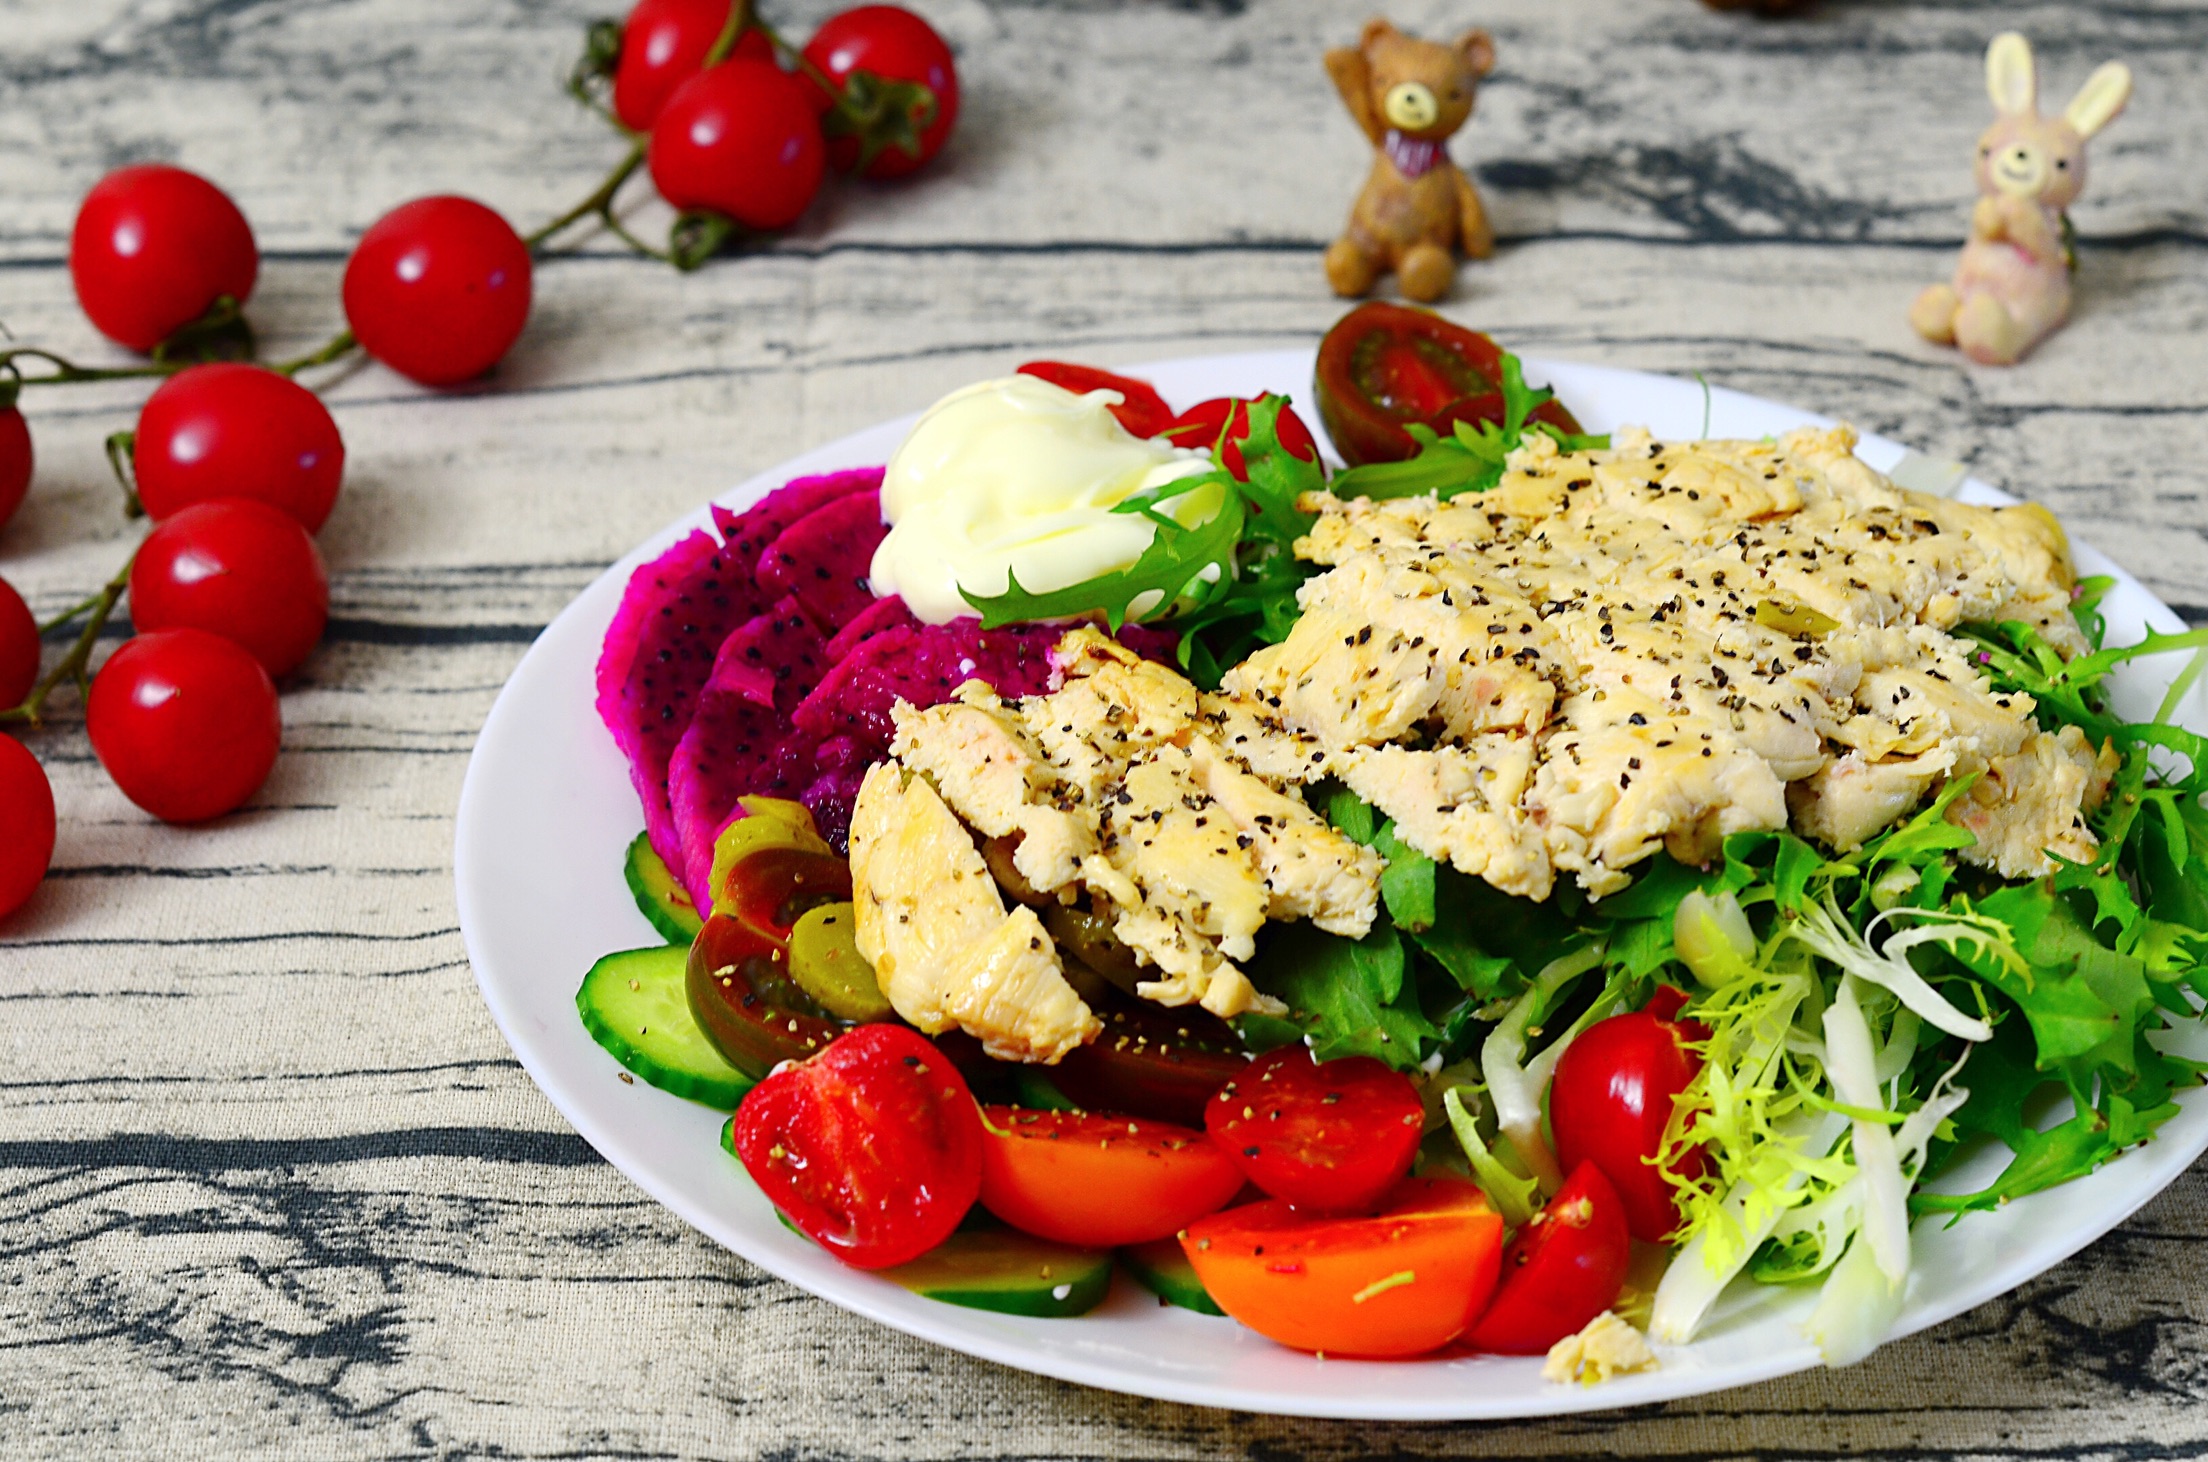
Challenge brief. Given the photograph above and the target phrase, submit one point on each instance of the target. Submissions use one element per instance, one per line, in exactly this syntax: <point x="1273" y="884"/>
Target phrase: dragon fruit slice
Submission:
<point x="738" y="744"/>
<point x="883" y="614"/>
<point x="748" y="533"/>
<point x="922" y="664"/>
<point x="821" y="560"/>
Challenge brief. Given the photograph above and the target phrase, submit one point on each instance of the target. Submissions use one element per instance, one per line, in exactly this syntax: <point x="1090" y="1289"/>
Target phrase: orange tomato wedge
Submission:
<point x="1099" y="1181"/>
<point x="1406" y="1281"/>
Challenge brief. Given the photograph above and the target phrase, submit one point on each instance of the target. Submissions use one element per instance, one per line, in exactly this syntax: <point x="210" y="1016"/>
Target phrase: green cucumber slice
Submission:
<point x="1165" y="1271"/>
<point x="635" y="1005"/>
<point x="658" y="897"/>
<point x="1010" y="1272"/>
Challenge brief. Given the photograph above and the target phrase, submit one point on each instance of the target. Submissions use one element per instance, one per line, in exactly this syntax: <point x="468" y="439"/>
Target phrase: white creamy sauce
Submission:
<point x="1018" y="478"/>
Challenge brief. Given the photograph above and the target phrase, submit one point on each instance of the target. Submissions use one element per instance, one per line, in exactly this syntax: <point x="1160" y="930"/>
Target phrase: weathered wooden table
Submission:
<point x="271" y="1183"/>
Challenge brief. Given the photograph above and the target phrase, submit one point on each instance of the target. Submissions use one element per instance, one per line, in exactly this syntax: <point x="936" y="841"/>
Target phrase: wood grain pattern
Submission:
<point x="272" y="1184"/>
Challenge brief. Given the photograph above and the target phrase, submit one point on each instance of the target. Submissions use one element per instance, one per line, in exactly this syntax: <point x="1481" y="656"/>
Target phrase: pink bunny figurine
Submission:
<point x="2012" y="285"/>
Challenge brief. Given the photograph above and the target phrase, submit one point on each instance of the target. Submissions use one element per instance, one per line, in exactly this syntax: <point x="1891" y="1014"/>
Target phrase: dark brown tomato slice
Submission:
<point x="1141" y="409"/>
<point x="1328" y="1138"/>
<point x="872" y="1148"/>
<point x="771" y="889"/>
<point x="1153" y="1062"/>
<point x="744" y="1000"/>
<point x="1383" y="367"/>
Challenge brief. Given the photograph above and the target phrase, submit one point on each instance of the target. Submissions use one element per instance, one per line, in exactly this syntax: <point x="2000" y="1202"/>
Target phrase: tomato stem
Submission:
<point x="75" y="665"/>
<point x="337" y="347"/>
<point x="121" y="451"/>
<point x="598" y="205"/>
<point x="66" y="372"/>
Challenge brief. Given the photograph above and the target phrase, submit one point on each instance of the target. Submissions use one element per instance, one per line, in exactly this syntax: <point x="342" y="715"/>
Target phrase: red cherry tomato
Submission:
<point x="1141" y="409"/>
<point x="1330" y="1138"/>
<point x="237" y="431"/>
<point x="1201" y="424"/>
<point x="18" y="647"/>
<point x="26" y="824"/>
<point x="663" y="44"/>
<point x="15" y="462"/>
<point x="185" y="722"/>
<point x="1561" y="1270"/>
<point x="1382" y="367"/>
<point x="740" y="139"/>
<point x="153" y="248"/>
<point x="1611" y="1098"/>
<point x="1099" y="1182"/>
<point x="893" y="43"/>
<point x="872" y="1148"/>
<point x="438" y="289"/>
<point x="1408" y="1280"/>
<point x="239" y="569"/>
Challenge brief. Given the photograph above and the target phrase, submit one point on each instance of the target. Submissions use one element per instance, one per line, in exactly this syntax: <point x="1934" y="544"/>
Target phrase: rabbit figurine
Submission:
<point x="2012" y="284"/>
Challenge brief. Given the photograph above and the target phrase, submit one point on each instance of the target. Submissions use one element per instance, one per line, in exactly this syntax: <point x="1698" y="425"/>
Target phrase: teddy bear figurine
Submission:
<point x="1410" y="96"/>
<point x="2012" y="285"/>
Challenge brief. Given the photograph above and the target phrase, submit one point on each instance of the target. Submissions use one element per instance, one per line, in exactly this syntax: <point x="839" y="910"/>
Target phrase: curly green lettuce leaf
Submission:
<point x="1470" y="458"/>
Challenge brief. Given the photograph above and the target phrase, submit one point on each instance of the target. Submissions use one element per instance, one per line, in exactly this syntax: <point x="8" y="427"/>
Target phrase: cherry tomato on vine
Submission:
<point x="15" y="462"/>
<point x="185" y="722"/>
<point x="1612" y="1097"/>
<point x="872" y="1148"/>
<point x="893" y="43"/>
<point x="1330" y="1138"/>
<point x="232" y="430"/>
<point x="1561" y="1270"/>
<point x="239" y="569"/>
<point x="1141" y="409"/>
<point x="26" y="824"/>
<point x="1200" y="425"/>
<point x="1099" y="1182"/>
<point x="18" y="647"/>
<point x="153" y="248"/>
<point x="740" y="139"/>
<point x="1405" y="1281"/>
<point x="438" y="289"/>
<point x="663" y="44"/>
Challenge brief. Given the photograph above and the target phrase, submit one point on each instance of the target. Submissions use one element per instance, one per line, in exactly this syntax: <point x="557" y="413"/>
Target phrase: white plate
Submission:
<point x="547" y="810"/>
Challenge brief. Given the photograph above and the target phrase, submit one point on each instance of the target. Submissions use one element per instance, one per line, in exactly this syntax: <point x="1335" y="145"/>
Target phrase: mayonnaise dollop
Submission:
<point x="1018" y="476"/>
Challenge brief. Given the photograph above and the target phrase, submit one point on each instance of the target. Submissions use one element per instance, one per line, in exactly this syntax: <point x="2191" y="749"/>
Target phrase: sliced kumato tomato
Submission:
<point x="1329" y="1137"/>
<point x="1383" y="367"/>
<point x="1141" y="409"/>
<point x="1561" y="1270"/>
<point x="872" y="1148"/>
<point x="1097" y="1181"/>
<point x="1402" y="1282"/>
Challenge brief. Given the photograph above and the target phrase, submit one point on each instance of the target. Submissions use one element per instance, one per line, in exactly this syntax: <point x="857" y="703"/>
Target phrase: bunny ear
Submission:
<point x="2009" y="75"/>
<point x="2100" y="99"/>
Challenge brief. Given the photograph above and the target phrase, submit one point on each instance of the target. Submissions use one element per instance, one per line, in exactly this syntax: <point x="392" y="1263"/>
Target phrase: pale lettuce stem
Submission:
<point x="1514" y="1090"/>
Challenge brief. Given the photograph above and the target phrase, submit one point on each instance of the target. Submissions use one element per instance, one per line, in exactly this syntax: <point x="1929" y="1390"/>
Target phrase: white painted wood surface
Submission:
<point x="270" y="1183"/>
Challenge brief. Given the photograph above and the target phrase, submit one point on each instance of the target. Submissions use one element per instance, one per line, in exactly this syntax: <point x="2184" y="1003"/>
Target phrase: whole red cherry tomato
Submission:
<point x="153" y="248"/>
<point x="1201" y="424"/>
<point x="15" y="462"/>
<point x="239" y="569"/>
<point x="895" y="44"/>
<point x="18" y="647"/>
<point x="1383" y="367"/>
<point x="1141" y="409"/>
<point x="872" y="1148"/>
<point x="740" y="139"/>
<point x="1561" y="1270"/>
<point x="232" y="430"/>
<point x="26" y="824"/>
<point x="1611" y="1098"/>
<point x="438" y="289"/>
<point x="663" y="44"/>
<point x="185" y="722"/>
<point x="1331" y="1138"/>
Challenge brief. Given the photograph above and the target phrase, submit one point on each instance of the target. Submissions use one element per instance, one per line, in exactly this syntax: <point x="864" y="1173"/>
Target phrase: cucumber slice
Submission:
<point x="635" y="1005"/>
<point x="1010" y="1272"/>
<point x="658" y="897"/>
<point x="1165" y="1271"/>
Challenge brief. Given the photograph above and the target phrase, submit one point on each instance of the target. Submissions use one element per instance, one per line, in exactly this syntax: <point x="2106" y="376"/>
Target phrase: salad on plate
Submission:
<point x="1494" y="895"/>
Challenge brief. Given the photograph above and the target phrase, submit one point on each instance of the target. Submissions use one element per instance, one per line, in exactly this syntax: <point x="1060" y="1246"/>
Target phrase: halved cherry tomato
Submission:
<point x="738" y="978"/>
<point x="1612" y="1097"/>
<point x="1141" y="409"/>
<point x="1201" y="424"/>
<point x="1329" y="1138"/>
<point x="1100" y="1182"/>
<point x="1561" y="1270"/>
<point x="1384" y="366"/>
<point x="1406" y="1281"/>
<point x="872" y="1148"/>
<point x="1153" y="1062"/>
